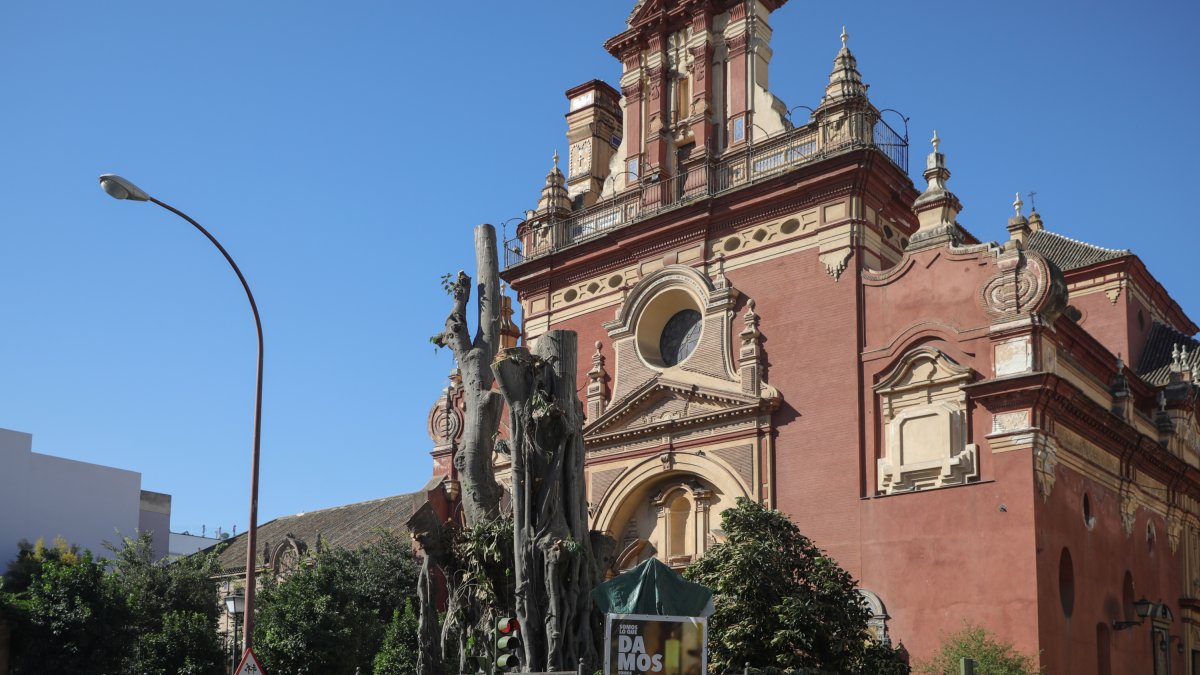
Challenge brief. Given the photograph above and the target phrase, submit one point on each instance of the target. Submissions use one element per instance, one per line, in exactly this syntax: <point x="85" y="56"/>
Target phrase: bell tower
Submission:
<point x="594" y="133"/>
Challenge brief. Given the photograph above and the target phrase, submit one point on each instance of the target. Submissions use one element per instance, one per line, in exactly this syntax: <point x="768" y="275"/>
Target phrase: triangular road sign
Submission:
<point x="249" y="665"/>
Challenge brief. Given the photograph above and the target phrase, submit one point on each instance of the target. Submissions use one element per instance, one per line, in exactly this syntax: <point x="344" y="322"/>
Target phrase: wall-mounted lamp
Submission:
<point x="1142" y="608"/>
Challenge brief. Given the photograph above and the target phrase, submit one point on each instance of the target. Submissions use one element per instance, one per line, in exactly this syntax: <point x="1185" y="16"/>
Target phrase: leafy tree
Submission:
<point x="186" y="643"/>
<point x="781" y="602"/>
<point x="991" y="655"/>
<point x="133" y="614"/>
<point x="72" y="623"/>
<point x="385" y="574"/>
<point x="172" y="610"/>
<point x="30" y="558"/>
<point x="398" y="655"/>
<point x="330" y="617"/>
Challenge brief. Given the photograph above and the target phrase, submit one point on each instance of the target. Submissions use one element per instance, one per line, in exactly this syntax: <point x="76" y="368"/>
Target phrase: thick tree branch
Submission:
<point x="455" y="334"/>
<point x="487" y="270"/>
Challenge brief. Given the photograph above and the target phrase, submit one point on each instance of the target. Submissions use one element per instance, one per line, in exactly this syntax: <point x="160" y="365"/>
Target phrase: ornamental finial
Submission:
<point x="1018" y="204"/>
<point x="556" y="160"/>
<point x="845" y="37"/>
<point x="937" y="142"/>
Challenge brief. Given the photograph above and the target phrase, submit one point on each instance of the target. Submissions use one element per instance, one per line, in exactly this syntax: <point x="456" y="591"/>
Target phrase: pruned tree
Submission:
<point x="480" y="491"/>
<point x="553" y="565"/>
<point x="541" y="559"/>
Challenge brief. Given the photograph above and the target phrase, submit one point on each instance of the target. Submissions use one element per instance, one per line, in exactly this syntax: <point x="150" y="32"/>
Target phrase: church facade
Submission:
<point x="999" y="432"/>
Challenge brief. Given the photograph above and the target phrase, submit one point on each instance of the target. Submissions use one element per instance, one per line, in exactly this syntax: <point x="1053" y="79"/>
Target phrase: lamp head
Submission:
<point x="119" y="188"/>
<point x="235" y="603"/>
<point x="1142" y="607"/>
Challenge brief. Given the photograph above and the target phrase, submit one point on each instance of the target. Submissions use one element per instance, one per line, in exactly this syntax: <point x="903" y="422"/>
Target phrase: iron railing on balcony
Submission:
<point x="776" y="155"/>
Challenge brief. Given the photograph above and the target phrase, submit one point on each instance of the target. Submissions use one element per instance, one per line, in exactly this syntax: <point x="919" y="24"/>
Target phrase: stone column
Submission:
<point x="632" y="90"/>
<point x="703" y="499"/>
<point x="737" y="38"/>
<point x="657" y="110"/>
<point x="702" y="82"/>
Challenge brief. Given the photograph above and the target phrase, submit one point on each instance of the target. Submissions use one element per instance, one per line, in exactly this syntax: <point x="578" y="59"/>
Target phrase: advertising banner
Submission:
<point x="643" y="644"/>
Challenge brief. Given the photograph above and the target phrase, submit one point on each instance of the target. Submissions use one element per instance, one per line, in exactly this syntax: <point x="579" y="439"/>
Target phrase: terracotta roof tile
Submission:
<point x="1155" y="365"/>
<point x="1068" y="254"/>
<point x="351" y="526"/>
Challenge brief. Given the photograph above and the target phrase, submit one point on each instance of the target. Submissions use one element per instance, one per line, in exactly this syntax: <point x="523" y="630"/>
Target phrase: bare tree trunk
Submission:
<point x="480" y="491"/>
<point x="554" y="568"/>
<point x="429" y="656"/>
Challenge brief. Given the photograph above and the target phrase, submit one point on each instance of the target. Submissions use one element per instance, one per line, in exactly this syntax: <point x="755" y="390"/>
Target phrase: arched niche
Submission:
<point x="667" y="506"/>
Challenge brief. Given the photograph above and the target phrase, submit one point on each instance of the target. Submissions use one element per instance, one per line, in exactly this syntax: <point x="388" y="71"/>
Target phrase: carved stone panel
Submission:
<point x="925" y="417"/>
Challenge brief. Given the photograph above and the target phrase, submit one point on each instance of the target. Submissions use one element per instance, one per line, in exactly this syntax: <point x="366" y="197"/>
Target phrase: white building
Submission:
<point x="42" y="496"/>
<point x="184" y="544"/>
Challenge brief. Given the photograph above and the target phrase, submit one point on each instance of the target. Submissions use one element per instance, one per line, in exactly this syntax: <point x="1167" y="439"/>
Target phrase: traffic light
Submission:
<point x="508" y="643"/>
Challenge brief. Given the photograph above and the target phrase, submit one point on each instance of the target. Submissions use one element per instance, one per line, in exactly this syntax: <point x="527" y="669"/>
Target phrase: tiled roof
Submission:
<point x="1068" y="254"/>
<point x="351" y="526"/>
<point x="1155" y="366"/>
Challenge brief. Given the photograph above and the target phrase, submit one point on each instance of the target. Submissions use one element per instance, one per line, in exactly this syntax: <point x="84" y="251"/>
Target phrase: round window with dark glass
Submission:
<point x="679" y="337"/>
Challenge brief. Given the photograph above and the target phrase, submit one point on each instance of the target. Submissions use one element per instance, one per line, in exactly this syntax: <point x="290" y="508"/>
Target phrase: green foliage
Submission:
<point x="74" y="614"/>
<point x="781" y="602"/>
<point x="73" y="620"/>
<point x="398" y="655"/>
<point x="30" y="558"/>
<point x="482" y="559"/>
<point x="992" y="656"/>
<point x="330" y="617"/>
<point x="186" y="643"/>
<point x="171" y="608"/>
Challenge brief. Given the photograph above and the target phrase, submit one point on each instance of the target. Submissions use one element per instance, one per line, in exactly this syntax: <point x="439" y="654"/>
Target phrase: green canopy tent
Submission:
<point x="652" y="588"/>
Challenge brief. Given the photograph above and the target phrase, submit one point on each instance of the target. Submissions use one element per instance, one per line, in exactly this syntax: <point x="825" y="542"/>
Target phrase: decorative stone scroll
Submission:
<point x="1025" y="284"/>
<point x="1129" y="507"/>
<point x="1045" y="461"/>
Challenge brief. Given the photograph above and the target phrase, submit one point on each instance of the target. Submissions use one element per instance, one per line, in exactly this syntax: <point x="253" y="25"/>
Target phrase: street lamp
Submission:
<point x="119" y="188"/>
<point x="235" y="605"/>
<point x="1142" y="608"/>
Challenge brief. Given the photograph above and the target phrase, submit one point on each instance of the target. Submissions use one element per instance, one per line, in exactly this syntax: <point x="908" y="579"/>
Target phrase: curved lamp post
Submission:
<point x="119" y="188"/>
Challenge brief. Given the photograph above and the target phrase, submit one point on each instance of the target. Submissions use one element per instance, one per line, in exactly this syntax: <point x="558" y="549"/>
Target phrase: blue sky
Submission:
<point x="343" y="151"/>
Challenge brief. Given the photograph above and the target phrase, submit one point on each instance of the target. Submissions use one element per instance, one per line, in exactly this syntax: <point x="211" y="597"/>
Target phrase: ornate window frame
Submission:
<point x="938" y="404"/>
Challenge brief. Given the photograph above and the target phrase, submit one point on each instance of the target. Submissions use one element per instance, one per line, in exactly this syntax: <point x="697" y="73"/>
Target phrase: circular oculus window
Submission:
<point x="679" y="337"/>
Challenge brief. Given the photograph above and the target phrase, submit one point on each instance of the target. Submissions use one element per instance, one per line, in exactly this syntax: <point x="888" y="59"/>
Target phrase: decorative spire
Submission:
<point x="510" y="334"/>
<point x="937" y="208"/>
<point x="1018" y="226"/>
<point x="750" y="318"/>
<point x="555" y="198"/>
<point x="595" y="387"/>
<point x="1035" y="221"/>
<point x="1120" y="391"/>
<point x="749" y="355"/>
<point x="845" y="82"/>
